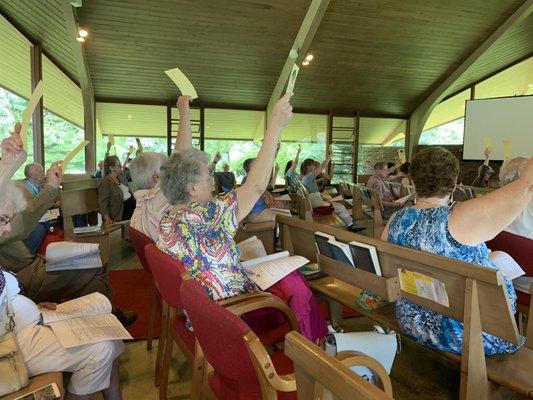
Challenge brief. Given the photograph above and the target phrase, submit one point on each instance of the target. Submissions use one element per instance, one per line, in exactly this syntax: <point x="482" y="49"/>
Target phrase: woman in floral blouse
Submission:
<point x="199" y="230"/>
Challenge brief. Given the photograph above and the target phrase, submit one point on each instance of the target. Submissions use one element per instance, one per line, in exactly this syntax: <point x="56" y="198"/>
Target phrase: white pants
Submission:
<point x="342" y="213"/>
<point x="90" y="364"/>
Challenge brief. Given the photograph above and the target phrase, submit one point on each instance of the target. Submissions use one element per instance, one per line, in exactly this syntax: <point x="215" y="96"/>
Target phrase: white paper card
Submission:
<point x="292" y="78"/>
<point x="72" y="154"/>
<point x="182" y="82"/>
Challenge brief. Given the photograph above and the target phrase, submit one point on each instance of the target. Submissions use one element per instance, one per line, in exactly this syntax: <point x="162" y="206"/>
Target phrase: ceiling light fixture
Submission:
<point x="83" y="33"/>
<point x="305" y="62"/>
<point x="309" y="57"/>
<point x="80" y="39"/>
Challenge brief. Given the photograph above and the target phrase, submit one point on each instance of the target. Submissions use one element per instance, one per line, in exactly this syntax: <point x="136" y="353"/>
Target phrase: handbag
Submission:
<point x="13" y="370"/>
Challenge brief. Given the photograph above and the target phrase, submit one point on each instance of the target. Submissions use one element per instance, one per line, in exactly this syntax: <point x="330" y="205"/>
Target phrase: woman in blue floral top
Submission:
<point x="458" y="231"/>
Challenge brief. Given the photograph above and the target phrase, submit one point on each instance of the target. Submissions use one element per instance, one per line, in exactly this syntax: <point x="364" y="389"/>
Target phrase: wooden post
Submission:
<point x="472" y="92"/>
<point x="357" y="124"/>
<point x="202" y="126"/>
<point x="474" y="382"/>
<point x="169" y="128"/>
<point x="37" y="117"/>
<point x="329" y="137"/>
<point x="407" y="145"/>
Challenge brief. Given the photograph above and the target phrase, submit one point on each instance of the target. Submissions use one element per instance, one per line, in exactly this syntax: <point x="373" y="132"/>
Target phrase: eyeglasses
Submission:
<point x="4" y="220"/>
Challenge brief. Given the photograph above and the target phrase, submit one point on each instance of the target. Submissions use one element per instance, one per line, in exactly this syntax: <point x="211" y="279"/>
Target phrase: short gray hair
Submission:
<point x="13" y="194"/>
<point x="511" y="170"/>
<point x="183" y="168"/>
<point x="28" y="168"/>
<point x="143" y="168"/>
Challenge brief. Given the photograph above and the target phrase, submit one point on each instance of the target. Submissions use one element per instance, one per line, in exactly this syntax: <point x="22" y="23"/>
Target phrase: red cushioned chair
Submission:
<point x="139" y="241"/>
<point x="168" y="274"/>
<point x="521" y="249"/>
<point x="243" y="370"/>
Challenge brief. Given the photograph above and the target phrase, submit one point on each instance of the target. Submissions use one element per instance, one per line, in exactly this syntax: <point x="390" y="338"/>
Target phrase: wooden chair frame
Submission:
<point x="477" y="298"/>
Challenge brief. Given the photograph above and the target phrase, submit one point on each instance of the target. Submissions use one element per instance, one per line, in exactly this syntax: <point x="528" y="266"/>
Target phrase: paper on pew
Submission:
<point x="423" y="286"/>
<point x="182" y="82"/>
<point x="72" y="154"/>
<point x="50" y="215"/>
<point x="506" y="264"/>
<point x="28" y="112"/>
<point x="285" y="197"/>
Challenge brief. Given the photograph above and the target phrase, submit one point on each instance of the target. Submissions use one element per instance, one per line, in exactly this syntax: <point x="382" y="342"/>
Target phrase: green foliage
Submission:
<point x="449" y="133"/>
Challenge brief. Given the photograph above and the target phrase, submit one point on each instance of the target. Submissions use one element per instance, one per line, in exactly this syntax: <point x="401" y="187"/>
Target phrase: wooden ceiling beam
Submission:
<point x="301" y="45"/>
<point x="420" y="115"/>
<point x="89" y="112"/>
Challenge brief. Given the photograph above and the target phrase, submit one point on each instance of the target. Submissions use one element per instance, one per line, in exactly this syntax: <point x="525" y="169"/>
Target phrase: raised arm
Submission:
<point x="294" y="163"/>
<point x="480" y="219"/>
<point x="184" y="138"/>
<point x="325" y="163"/>
<point x="328" y="176"/>
<point x="140" y="148"/>
<point x="258" y="177"/>
<point x="214" y="163"/>
<point x="487" y="155"/>
<point x="13" y="156"/>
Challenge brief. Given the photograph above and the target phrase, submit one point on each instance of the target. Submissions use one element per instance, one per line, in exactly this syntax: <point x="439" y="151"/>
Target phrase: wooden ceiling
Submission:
<point x="376" y="57"/>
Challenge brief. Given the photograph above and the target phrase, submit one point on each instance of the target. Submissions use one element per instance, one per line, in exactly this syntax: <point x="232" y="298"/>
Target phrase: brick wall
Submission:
<point x="369" y="155"/>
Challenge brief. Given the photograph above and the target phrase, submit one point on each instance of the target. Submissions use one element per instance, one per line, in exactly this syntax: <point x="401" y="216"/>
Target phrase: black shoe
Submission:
<point x="126" y="318"/>
<point x="355" y="228"/>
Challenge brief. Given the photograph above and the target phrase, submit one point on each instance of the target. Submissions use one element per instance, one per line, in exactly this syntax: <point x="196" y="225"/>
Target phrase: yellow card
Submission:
<point x="111" y="139"/>
<point x="72" y="154"/>
<point x="488" y="143"/>
<point x="507" y="149"/>
<point x="424" y="286"/>
<point x="131" y="149"/>
<point x="182" y="82"/>
<point x="28" y="112"/>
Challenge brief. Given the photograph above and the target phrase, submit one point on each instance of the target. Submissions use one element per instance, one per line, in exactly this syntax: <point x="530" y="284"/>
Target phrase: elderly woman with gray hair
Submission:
<point x="199" y="230"/>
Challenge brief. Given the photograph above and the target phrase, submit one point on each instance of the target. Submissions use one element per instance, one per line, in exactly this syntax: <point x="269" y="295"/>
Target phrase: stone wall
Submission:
<point x="369" y="155"/>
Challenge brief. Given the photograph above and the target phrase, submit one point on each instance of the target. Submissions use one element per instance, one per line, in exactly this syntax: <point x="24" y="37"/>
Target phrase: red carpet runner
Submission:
<point x="133" y="291"/>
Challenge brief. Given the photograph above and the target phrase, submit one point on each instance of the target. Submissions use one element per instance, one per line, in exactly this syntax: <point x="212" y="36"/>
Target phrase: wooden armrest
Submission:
<point x="262" y="362"/>
<point x="529" y="332"/>
<point x="266" y="301"/>
<point x="259" y="226"/>
<point x="352" y="358"/>
<point x="243" y="297"/>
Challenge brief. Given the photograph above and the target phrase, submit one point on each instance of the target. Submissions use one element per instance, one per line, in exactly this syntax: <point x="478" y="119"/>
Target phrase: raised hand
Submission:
<point x="108" y="146"/>
<point x="183" y="103"/>
<point x="299" y="150"/>
<point x="282" y="113"/>
<point x="54" y="175"/>
<point x="217" y="157"/>
<point x="487" y="152"/>
<point x="13" y="154"/>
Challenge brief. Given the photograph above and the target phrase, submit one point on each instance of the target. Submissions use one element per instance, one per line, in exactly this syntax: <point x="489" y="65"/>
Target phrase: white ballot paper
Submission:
<point x="266" y="271"/>
<point x="182" y="82"/>
<point x="292" y="78"/>
<point x="28" y="112"/>
<point x="50" y="215"/>
<point x="72" y="154"/>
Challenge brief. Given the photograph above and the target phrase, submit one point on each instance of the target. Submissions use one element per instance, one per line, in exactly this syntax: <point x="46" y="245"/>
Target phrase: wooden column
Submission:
<point x="472" y="92"/>
<point x="37" y="117"/>
<point x="329" y="131"/>
<point x="202" y="126"/>
<point x="407" y="146"/>
<point x="357" y="122"/>
<point x="169" y="128"/>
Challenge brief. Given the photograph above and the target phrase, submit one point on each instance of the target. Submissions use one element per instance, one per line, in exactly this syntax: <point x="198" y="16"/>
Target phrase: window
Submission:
<point x="514" y="81"/>
<point x="60" y="138"/>
<point x="448" y="133"/>
<point x="11" y="109"/>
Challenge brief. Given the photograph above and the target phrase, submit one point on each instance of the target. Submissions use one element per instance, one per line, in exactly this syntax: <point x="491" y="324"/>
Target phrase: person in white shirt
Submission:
<point x="151" y="203"/>
<point x="523" y="224"/>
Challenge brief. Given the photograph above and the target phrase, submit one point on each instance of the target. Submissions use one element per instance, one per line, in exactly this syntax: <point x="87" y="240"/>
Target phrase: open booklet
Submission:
<point x="251" y="248"/>
<point x="62" y="256"/>
<point x="84" y="320"/>
<point x="266" y="271"/>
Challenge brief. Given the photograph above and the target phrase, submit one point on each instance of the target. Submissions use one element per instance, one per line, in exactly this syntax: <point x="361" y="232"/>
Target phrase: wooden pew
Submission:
<point x="85" y="201"/>
<point x="38" y="382"/>
<point x="476" y="297"/>
<point x="305" y="211"/>
<point x="321" y="376"/>
<point x="367" y="204"/>
<point x="77" y="184"/>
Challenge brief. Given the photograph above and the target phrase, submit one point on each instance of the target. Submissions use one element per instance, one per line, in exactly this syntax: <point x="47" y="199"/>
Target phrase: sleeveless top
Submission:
<point x="427" y="230"/>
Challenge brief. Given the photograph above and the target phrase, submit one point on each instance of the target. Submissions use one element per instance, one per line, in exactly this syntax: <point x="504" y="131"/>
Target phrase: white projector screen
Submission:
<point x="495" y="121"/>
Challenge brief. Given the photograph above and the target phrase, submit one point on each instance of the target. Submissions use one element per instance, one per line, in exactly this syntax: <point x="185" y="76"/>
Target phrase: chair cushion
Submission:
<point x="523" y="298"/>
<point x="228" y="389"/>
<point x="270" y="325"/>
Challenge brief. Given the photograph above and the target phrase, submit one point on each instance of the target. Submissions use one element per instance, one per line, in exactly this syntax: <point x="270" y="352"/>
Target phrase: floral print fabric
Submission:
<point x="202" y="237"/>
<point x="427" y="230"/>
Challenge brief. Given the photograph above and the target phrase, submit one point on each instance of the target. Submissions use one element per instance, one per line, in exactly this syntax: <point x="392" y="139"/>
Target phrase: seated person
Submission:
<point x="377" y="182"/>
<point x="199" y="230"/>
<point x="402" y="175"/>
<point x="15" y="257"/>
<point x="34" y="181"/>
<point x="522" y="225"/>
<point x="460" y="232"/>
<point x="310" y="169"/>
<point x="291" y="176"/>
<point x="226" y="179"/>
<point x="484" y="172"/>
<point x="94" y="366"/>
<point x="151" y="203"/>
<point x="110" y="191"/>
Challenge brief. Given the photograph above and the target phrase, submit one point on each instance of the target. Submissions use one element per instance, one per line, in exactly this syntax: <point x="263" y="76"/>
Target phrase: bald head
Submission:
<point x="510" y="170"/>
<point x="35" y="172"/>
